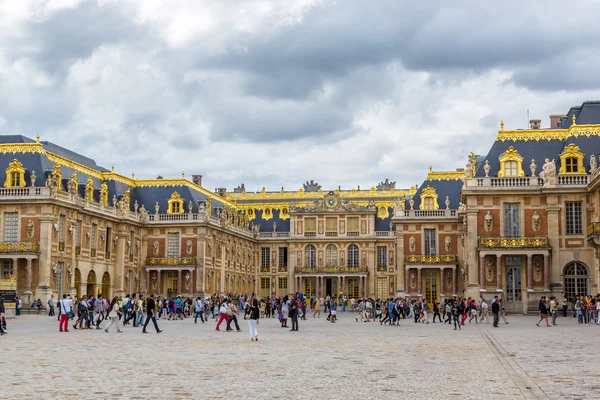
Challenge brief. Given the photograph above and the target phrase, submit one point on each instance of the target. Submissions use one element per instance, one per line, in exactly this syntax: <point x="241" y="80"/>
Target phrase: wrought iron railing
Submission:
<point x="19" y="247"/>
<point x="513" y="242"/>
<point x="171" y="261"/>
<point x="430" y="259"/>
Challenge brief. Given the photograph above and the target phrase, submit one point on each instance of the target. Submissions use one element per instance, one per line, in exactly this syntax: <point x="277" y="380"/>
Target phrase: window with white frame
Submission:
<point x="11" y="227"/>
<point x="310" y="256"/>
<point x="283" y="256"/>
<point x="512" y="219"/>
<point x="430" y="242"/>
<point x="331" y="255"/>
<point x="353" y="257"/>
<point x="382" y="256"/>
<point x="574" y="220"/>
<point x="265" y="257"/>
<point x="173" y="245"/>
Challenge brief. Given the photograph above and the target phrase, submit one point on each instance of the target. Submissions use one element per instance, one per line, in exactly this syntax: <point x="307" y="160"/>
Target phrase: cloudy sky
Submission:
<point x="275" y="93"/>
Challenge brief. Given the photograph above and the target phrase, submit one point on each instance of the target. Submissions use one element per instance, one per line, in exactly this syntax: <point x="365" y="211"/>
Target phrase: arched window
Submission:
<point x="353" y="260"/>
<point x="429" y="199"/>
<point x="571" y="160"/>
<point x="576" y="281"/>
<point x="175" y="204"/>
<point x="310" y="256"/>
<point x="15" y="175"/>
<point x="511" y="163"/>
<point x="331" y="255"/>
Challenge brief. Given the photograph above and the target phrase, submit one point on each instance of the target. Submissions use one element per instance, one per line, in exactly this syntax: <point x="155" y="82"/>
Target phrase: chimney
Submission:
<point x="197" y="179"/>
<point x="555" y="120"/>
<point x="534" y="123"/>
<point x="221" y="191"/>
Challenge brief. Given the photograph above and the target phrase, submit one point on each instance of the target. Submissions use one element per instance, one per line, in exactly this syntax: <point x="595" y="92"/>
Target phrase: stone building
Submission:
<point x="521" y="221"/>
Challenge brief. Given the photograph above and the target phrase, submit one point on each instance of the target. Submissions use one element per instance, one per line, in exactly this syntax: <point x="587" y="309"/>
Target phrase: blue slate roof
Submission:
<point x="586" y="113"/>
<point x="443" y="188"/>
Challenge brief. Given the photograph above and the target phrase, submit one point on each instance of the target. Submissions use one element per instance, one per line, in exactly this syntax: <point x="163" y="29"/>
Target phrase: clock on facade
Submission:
<point x="331" y="201"/>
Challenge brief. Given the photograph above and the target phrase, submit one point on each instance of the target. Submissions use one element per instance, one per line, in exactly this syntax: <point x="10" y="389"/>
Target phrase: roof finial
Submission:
<point x="133" y="175"/>
<point x="501" y="125"/>
<point x="182" y="174"/>
<point x="112" y="168"/>
<point x="37" y="139"/>
<point x="574" y="118"/>
<point x="430" y="168"/>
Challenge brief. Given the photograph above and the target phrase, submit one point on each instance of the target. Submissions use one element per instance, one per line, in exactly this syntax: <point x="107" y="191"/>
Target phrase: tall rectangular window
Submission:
<point x="11" y="227"/>
<point x="61" y="228"/>
<point x="265" y="288"/>
<point x="430" y="242"/>
<point x="283" y="256"/>
<point x="59" y="278"/>
<point x="382" y="288"/>
<point x="574" y="218"/>
<point x="331" y="225"/>
<point x="7" y="269"/>
<point x="283" y="285"/>
<point x="310" y="224"/>
<point x="512" y="219"/>
<point x="94" y="234"/>
<point x="352" y="224"/>
<point x="131" y="239"/>
<point x="108" y="241"/>
<point x="173" y="245"/>
<point x="265" y="257"/>
<point x="382" y="256"/>
<point x="78" y="233"/>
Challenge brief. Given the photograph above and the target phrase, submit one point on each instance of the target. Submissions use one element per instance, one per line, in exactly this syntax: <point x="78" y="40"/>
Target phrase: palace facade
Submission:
<point x="521" y="221"/>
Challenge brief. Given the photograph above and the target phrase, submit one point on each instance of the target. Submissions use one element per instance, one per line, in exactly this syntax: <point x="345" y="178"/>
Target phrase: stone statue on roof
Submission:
<point x="593" y="166"/>
<point x="386" y="185"/>
<point x="548" y="173"/>
<point x="240" y="189"/>
<point x="311" y="186"/>
<point x="143" y="214"/>
<point x="33" y="177"/>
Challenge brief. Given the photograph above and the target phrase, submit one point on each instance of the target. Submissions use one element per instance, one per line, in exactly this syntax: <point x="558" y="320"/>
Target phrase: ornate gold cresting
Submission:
<point x="15" y="175"/>
<point x="429" y="193"/>
<point x="526" y="135"/>
<point x="572" y="158"/>
<point x="175" y="204"/>
<point x="510" y="155"/>
<point x="444" y="175"/>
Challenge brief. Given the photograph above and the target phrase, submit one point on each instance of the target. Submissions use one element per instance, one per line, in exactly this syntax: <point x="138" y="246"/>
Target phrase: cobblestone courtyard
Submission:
<point x="335" y="361"/>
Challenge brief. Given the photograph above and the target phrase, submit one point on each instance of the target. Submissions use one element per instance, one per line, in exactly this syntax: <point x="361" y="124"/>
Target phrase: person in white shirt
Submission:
<point x="484" y="311"/>
<point x="114" y="314"/>
<point x="65" y="309"/>
<point x="199" y="310"/>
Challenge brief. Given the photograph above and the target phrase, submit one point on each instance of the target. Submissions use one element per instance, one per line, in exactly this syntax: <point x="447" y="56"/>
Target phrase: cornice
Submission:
<point x="444" y="175"/>
<point x="301" y="194"/>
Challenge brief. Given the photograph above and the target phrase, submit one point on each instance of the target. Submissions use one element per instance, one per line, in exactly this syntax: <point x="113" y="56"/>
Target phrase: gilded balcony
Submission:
<point x="331" y="270"/>
<point x="171" y="261"/>
<point x="430" y="259"/>
<point x="593" y="232"/>
<point x="500" y="242"/>
<point x="19" y="247"/>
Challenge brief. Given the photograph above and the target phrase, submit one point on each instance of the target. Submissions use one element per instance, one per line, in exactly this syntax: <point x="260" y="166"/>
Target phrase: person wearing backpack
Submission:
<point x="199" y="310"/>
<point x="65" y="311"/>
<point x="126" y="310"/>
<point x="294" y="313"/>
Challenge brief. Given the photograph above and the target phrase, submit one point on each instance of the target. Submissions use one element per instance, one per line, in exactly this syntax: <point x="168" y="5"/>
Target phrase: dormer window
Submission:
<point x="428" y="204"/>
<point x="510" y="168"/>
<point x="15" y="175"/>
<point x="175" y="204"/>
<point x="571" y="165"/>
<point x="429" y="199"/>
<point x="571" y="160"/>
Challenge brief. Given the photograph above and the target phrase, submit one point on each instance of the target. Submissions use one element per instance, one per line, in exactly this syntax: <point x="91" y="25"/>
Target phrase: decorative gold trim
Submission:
<point x="571" y="151"/>
<point x="548" y="134"/>
<point x="444" y="175"/>
<point x="427" y="259"/>
<point x="429" y="193"/>
<point x="382" y="212"/>
<point x="513" y="242"/>
<point x="15" y="167"/>
<point x="173" y="201"/>
<point x="104" y="194"/>
<point x="510" y="155"/>
<point x="301" y="194"/>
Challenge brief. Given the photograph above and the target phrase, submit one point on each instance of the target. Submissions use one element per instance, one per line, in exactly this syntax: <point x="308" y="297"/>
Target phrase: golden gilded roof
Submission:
<point x="526" y="135"/>
<point x="354" y="194"/>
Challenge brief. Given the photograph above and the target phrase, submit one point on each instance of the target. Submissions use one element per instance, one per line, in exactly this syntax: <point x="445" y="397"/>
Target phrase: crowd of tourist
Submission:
<point x="137" y="311"/>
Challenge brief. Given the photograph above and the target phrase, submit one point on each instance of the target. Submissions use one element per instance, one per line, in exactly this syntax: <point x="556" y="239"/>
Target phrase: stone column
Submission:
<point x="339" y="288"/>
<point x="454" y="282"/>
<point x="546" y="273"/>
<point x="529" y="273"/>
<point x="420" y="282"/>
<point x="360" y="286"/>
<point x="43" y="289"/>
<point x="482" y="273"/>
<point x="442" y="281"/>
<point x="29" y="276"/>
<point x="499" y="273"/>
<point x="407" y="281"/>
<point x="179" y="282"/>
<point x="119" y="267"/>
<point x="401" y="272"/>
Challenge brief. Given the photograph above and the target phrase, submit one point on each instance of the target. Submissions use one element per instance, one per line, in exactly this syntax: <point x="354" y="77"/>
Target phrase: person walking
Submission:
<point x="543" y="313"/>
<point x="333" y="312"/>
<point x="317" y="308"/>
<point x="294" y="314"/>
<point x="65" y="308"/>
<point x="455" y="315"/>
<point x="285" y="311"/>
<point x="484" y="311"/>
<point x="150" y="314"/>
<point x="223" y="313"/>
<point x="254" y="315"/>
<point x="232" y="313"/>
<point x="199" y="310"/>
<point x="496" y="311"/>
<point x="114" y="315"/>
<point x="51" y="306"/>
<point x="436" y="311"/>
<point x="2" y="311"/>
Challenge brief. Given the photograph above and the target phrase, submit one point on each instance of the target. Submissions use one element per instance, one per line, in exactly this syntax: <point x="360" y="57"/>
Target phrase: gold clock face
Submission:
<point x="331" y="201"/>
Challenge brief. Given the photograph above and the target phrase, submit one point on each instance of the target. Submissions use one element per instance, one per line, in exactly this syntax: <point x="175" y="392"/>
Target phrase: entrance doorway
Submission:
<point x="328" y="286"/>
<point x="513" y="290"/>
<point x="430" y="288"/>
<point x="310" y="287"/>
<point x="91" y="282"/>
<point x="172" y="281"/>
<point x="78" y="283"/>
<point x="576" y="281"/>
<point x="353" y="288"/>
